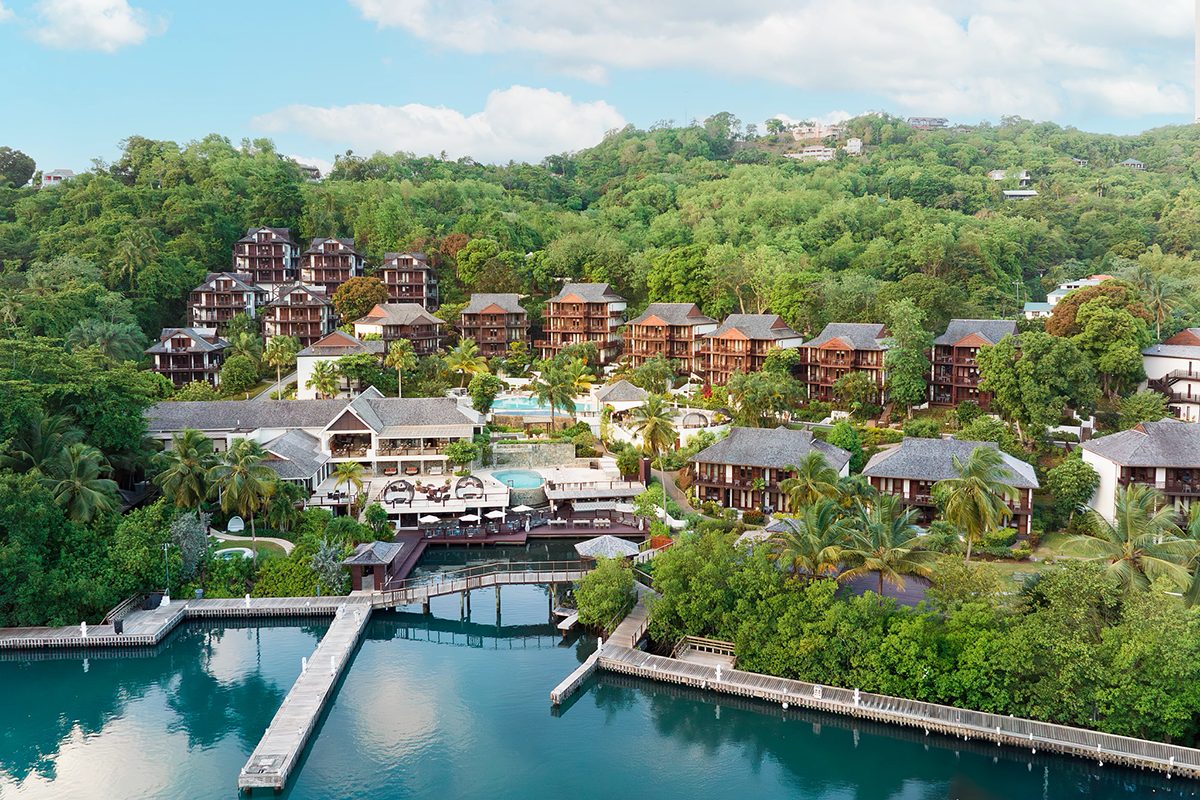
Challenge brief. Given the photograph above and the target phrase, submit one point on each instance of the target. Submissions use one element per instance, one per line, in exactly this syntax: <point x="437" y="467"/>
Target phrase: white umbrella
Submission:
<point x="469" y="518"/>
<point x="429" y="519"/>
<point x="520" y="509"/>
<point x="494" y="515"/>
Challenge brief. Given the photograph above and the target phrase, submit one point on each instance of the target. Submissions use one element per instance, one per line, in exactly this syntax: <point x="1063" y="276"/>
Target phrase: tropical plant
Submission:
<point x="324" y="380"/>
<point x="400" y="357"/>
<point x="651" y="422"/>
<point x="554" y="388"/>
<point x="884" y="540"/>
<point x="39" y="440"/>
<point x="326" y="562"/>
<point x="281" y="352"/>
<point x="466" y="360"/>
<point x="75" y="477"/>
<point x="244" y="481"/>
<point x="246" y="344"/>
<point x="280" y="507"/>
<point x="116" y="341"/>
<point x="185" y="469"/>
<point x="976" y="500"/>
<point x="580" y="376"/>
<point x="349" y="473"/>
<point x="811" y="542"/>
<point x="809" y="481"/>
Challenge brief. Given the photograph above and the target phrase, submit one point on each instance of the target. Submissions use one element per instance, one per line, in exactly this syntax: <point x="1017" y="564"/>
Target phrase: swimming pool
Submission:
<point x="519" y="478"/>
<point x="524" y="405"/>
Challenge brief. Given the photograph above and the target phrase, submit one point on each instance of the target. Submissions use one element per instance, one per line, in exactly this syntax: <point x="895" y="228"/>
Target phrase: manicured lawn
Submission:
<point x="264" y="548"/>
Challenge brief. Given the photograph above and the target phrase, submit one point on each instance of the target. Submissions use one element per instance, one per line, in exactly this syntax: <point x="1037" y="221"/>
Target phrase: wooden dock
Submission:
<point x="575" y="679"/>
<point x="966" y="724"/>
<point x="281" y="745"/>
<point x="636" y="622"/>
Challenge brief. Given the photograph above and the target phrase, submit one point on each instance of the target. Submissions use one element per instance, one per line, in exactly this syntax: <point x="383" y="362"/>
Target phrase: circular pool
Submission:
<point x="525" y="487"/>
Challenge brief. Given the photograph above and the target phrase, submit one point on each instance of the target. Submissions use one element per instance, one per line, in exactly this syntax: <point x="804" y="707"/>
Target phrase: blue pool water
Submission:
<point x="519" y="478"/>
<point x="524" y="405"/>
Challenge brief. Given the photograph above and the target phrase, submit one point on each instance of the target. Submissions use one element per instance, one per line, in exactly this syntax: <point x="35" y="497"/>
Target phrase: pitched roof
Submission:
<point x="588" y="293"/>
<point x="315" y="245"/>
<point x="608" y="546"/>
<point x="675" y="314"/>
<point x="509" y="303"/>
<point x="284" y="232"/>
<point x="755" y="326"/>
<point x="296" y="455"/>
<point x="314" y="293"/>
<point x="1165" y="443"/>
<point x="398" y="314"/>
<point x="337" y="343"/>
<point x="621" y="392"/>
<point x="858" y="335"/>
<point x="991" y="330"/>
<point x="375" y="553"/>
<point x="249" y="415"/>
<point x="421" y="259"/>
<point x="766" y="447"/>
<point x="241" y="280"/>
<point x="199" y="344"/>
<point x="933" y="460"/>
<point x="1173" y="351"/>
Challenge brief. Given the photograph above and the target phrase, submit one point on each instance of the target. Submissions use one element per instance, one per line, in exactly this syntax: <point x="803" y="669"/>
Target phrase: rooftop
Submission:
<point x="755" y="326"/>
<point x="375" y="553"/>
<point x="588" y="293"/>
<point x="765" y="447"/>
<point x="508" y="303"/>
<point x="621" y="392"/>
<point x="398" y="314"/>
<point x="857" y="335"/>
<point x="199" y="336"/>
<point x="990" y="330"/>
<point x="674" y="314"/>
<point x="933" y="460"/>
<point x="1166" y="443"/>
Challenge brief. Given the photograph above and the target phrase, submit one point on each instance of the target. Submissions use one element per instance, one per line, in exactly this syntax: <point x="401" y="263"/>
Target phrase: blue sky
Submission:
<point x="501" y="79"/>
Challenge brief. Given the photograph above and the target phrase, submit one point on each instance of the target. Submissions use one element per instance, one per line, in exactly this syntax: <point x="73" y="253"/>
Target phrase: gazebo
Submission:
<point x="372" y="565"/>
<point x="608" y="546"/>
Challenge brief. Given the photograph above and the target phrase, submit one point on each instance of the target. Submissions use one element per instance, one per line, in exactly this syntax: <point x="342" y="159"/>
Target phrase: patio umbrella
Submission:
<point x="520" y="509"/>
<point x="429" y="519"/>
<point x="495" y="515"/>
<point x="469" y="518"/>
<point x="607" y="546"/>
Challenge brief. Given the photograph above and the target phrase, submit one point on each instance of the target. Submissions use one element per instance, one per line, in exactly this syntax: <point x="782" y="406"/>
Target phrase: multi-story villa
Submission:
<point x="955" y="376"/>
<point x="221" y="296"/>
<point x="268" y="256"/>
<point x="742" y="344"/>
<point x="1173" y="369"/>
<point x="671" y="330"/>
<point x="1164" y="455"/>
<point x="189" y="354"/>
<point x="330" y="263"/>
<point x="330" y="348"/>
<point x="409" y="279"/>
<point x="494" y="321"/>
<point x="841" y="348"/>
<point x="728" y="473"/>
<point x="583" y="312"/>
<point x="402" y="321"/>
<point x="910" y="470"/>
<point x="301" y="311"/>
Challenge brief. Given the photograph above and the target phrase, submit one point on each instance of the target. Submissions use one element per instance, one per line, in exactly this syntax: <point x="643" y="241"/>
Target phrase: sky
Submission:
<point x="521" y="79"/>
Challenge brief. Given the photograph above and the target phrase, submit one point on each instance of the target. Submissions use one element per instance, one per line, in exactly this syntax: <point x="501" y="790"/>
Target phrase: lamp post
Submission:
<point x="166" y="601"/>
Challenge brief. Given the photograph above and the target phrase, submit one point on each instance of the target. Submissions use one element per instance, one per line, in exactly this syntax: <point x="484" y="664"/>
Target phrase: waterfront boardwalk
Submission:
<point x="636" y="622"/>
<point x="421" y="590"/>
<point x="281" y="745"/>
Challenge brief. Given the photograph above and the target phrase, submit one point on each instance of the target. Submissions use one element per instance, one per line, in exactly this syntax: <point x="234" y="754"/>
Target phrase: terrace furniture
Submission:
<point x="554" y="522"/>
<point x="581" y="523"/>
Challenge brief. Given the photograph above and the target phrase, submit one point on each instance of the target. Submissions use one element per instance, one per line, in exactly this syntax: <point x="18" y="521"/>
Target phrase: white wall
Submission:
<point x="1104" y="498"/>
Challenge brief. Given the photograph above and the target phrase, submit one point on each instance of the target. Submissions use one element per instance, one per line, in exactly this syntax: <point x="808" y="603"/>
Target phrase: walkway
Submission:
<point x="636" y="622"/>
<point x="420" y="590"/>
<point x="265" y="394"/>
<point x="227" y="537"/>
<point x="673" y="491"/>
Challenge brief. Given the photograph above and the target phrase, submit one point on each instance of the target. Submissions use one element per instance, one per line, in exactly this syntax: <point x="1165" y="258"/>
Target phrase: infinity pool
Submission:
<point x="519" y="478"/>
<point x="524" y="405"/>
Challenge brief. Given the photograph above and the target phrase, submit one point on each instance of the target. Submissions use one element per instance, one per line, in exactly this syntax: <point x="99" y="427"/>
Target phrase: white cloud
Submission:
<point x="106" y="25"/>
<point x="517" y="123"/>
<point x="963" y="57"/>
<point x="6" y="14"/>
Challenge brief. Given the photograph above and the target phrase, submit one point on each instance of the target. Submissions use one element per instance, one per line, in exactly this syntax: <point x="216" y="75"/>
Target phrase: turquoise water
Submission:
<point x="519" y="478"/>
<point x="435" y="707"/>
<point x="525" y="405"/>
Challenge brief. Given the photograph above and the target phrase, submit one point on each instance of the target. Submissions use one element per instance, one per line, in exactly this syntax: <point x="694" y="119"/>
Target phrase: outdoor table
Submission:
<point x="581" y="523"/>
<point x="554" y="522"/>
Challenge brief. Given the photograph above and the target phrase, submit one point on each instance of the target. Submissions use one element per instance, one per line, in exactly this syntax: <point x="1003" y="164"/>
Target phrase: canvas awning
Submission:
<point x="607" y="546"/>
<point x="469" y="518"/>
<point x="429" y="519"/>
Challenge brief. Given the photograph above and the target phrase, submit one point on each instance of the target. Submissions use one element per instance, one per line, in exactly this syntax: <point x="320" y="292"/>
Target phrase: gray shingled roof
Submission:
<point x="588" y="293"/>
<point x="991" y="330"/>
<point x="858" y="335"/>
<point x="608" y="546"/>
<point x="400" y="314"/>
<point x="1173" y="350"/>
<point x="509" y="302"/>
<point x="755" y="326"/>
<point x="933" y="460"/>
<point x="674" y="314"/>
<point x="284" y="232"/>
<point x="313" y="294"/>
<point x="421" y="259"/>
<point x="248" y="415"/>
<point x="621" y="392"/>
<point x="243" y="280"/>
<point x="297" y="455"/>
<point x="337" y="343"/>
<point x="765" y="447"/>
<point x="1166" y="443"/>
<point x="315" y="246"/>
<point x="374" y="553"/>
<point x="199" y="343"/>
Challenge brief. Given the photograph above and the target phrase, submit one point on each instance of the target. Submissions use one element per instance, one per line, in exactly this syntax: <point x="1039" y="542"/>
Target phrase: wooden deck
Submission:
<point x="281" y="745"/>
<point x="636" y="622"/>
<point x="964" y="723"/>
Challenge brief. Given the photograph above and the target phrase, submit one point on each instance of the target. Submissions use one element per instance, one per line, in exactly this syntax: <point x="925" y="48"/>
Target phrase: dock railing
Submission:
<point x="497" y="573"/>
<point x="122" y="609"/>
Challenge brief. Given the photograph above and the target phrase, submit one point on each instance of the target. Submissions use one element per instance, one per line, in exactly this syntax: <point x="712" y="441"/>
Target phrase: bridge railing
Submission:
<point x="483" y="575"/>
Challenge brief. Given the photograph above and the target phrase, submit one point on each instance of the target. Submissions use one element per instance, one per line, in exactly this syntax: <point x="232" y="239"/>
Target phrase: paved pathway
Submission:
<point x="673" y="491"/>
<point x="226" y="537"/>
<point x="265" y="394"/>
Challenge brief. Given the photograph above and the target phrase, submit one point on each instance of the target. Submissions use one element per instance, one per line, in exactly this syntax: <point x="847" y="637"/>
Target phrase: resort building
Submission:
<point x="374" y="565"/>
<point x="189" y="354"/>
<point x="329" y="263"/>
<point x="622" y="396"/>
<point x="583" y="312"/>
<point x="494" y="321"/>
<point x="742" y="344"/>
<point x="300" y="311"/>
<point x="1042" y="310"/>
<point x="221" y="296"/>
<point x="330" y="348"/>
<point x="728" y="472"/>
<point x="1173" y="369"/>
<point x="1164" y="455"/>
<point x="402" y="321"/>
<point x="307" y="439"/>
<point x="671" y="330"/>
<point x="409" y="279"/>
<point x="910" y="470"/>
<point x="55" y="177"/>
<point x="841" y="348"/>
<point x="268" y="256"/>
<point x="955" y="377"/>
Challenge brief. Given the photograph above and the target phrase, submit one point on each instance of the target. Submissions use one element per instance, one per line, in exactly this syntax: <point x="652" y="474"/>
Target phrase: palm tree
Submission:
<point x="884" y="540"/>
<point x="39" y="441"/>
<point x="812" y="542"/>
<point x="281" y="511"/>
<point x="1161" y="296"/>
<point x="76" y="479"/>
<point x="281" y="352"/>
<point x="854" y="489"/>
<point x="1142" y="543"/>
<point x="554" y="388"/>
<point x="115" y="341"/>
<point x="349" y="473"/>
<point x="400" y="357"/>
<point x="244" y="481"/>
<point x="465" y="360"/>
<point x="814" y="479"/>
<point x="581" y="378"/>
<point x="977" y="500"/>
<point x="10" y="308"/>
<point x="652" y="422"/>
<point x="245" y="343"/>
<point x="133" y="253"/>
<point x="324" y="379"/>
<point x="186" y="469"/>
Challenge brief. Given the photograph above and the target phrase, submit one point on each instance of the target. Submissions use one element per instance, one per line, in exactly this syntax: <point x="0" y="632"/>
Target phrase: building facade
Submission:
<point x="402" y="321"/>
<point x="1042" y="310"/>
<point x="1173" y="370"/>
<point x="189" y="354"/>
<point x="583" y="312"/>
<point x="910" y="470"/>
<point x="268" y="256"/>
<point x="742" y="343"/>
<point x="221" y="296"/>
<point x="955" y="375"/>
<point x="300" y="311"/>
<point x="494" y="321"/>
<point x="330" y="348"/>
<point x="674" y="331"/>
<point x="329" y="263"/>
<point x="728" y="472"/>
<point x="841" y="348"/>
<point x="409" y="279"/>
<point x="1164" y="455"/>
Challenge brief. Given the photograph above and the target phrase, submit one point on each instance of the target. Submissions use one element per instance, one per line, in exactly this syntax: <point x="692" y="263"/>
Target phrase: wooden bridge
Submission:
<point x="503" y="573"/>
